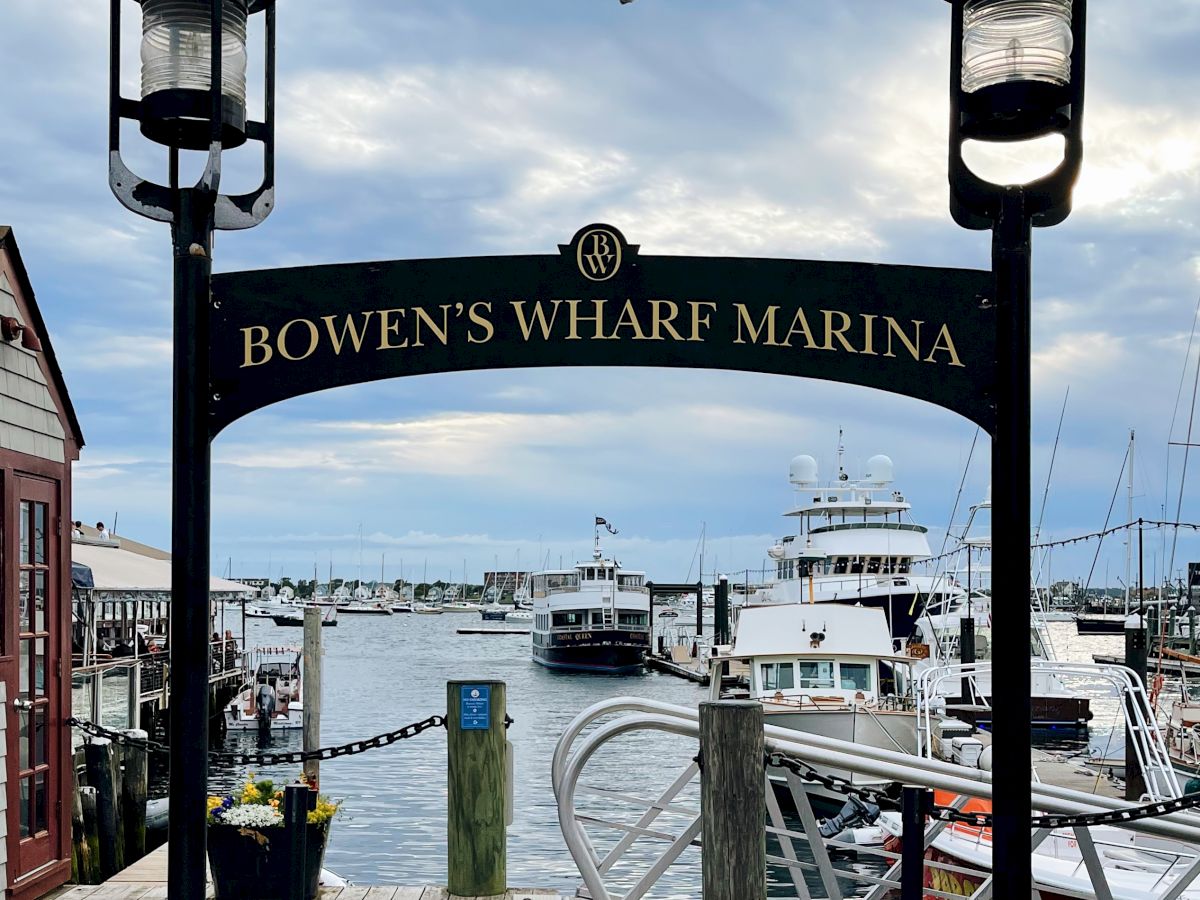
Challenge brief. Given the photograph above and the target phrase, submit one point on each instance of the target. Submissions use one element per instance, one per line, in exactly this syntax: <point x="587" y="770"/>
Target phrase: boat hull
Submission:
<point x="606" y="652"/>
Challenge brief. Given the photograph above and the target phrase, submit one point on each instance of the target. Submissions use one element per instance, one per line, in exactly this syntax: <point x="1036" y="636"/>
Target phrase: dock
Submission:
<point x="492" y="631"/>
<point x="670" y="667"/>
<point x="146" y="879"/>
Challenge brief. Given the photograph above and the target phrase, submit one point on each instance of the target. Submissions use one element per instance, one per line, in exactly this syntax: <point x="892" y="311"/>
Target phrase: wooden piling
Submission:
<point x="102" y="774"/>
<point x="311" y="715"/>
<point x="477" y="845"/>
<point x="134" y="790"/>
<point x="91" y="870"/>
<point x="733" y="801"/>
<point x="85" y="868"/>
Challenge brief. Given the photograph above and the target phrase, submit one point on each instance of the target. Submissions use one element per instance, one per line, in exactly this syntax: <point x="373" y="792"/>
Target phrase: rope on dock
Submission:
<point x="271" y="759"/>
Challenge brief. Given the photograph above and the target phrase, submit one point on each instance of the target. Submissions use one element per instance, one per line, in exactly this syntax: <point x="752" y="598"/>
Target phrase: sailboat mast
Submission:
<point x="1128" y="518"/>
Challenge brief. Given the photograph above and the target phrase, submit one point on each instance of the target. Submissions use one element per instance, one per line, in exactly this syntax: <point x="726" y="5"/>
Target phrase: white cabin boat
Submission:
<point x="856" y="544"/>
<point x="281" y="670"/>
<point x="594" y="617"/>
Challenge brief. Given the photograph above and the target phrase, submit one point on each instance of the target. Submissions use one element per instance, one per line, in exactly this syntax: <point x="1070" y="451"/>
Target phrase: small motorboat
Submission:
<point x="668" y="613"/>
<point x="427" y="609"/>
<point x="295" y="618"/>
<point x="494" y="612"/>
<point x="257" y="612"/>
<point x="402" y="608"/>
<point x="520" y="615"/>
<point x="366" y="609"/>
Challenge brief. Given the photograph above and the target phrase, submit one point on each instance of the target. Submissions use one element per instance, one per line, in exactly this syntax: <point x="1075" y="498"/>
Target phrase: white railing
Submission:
<point x="1107" y="863"/>
<point x="1149" y="747"/>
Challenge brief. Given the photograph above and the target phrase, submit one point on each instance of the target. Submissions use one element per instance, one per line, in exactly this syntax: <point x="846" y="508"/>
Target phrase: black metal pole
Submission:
<point x="295" y="818"/>
<point x="191" y="236"/>
<point x="966" y="653"/>
<point x="700" y="607"/>
<point x="721" y="612"/>
<point x="1011" y="618"/>
<point x="912" y="842"/>
<point x="1136" y="647"/>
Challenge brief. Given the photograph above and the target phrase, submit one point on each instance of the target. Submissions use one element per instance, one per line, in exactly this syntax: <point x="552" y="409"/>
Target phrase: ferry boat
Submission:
<point x="594" y="617"/>
<point x="280" y="669"/>
<point x="856" y="545"/>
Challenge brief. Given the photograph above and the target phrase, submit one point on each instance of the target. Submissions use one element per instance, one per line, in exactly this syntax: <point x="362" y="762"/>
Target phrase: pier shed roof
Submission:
<point x="115" y="569"/>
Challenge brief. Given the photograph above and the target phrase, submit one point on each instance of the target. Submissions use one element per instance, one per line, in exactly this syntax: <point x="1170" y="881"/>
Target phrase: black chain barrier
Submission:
<point x="887" y="797"/>
<point x="272" y="759"/>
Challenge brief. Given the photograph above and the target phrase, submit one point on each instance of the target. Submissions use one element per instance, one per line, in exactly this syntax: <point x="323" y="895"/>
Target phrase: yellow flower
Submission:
<point x="213" y="803"/>
<point x="275" y="803"/>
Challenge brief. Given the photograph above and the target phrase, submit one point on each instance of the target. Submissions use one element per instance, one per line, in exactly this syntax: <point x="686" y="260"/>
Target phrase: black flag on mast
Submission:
<point x="604" y="522"/>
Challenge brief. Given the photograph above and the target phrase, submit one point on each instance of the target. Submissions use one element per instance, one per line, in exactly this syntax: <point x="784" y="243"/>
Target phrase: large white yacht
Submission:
<point x="856" y="544"/>
<point x="594" y="617"/>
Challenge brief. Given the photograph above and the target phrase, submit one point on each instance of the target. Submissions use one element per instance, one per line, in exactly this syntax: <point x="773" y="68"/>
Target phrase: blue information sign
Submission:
<point x="475" y="707"/>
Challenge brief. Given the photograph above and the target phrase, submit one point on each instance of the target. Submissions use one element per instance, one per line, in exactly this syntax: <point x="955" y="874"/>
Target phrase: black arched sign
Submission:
<point x="924" y="332"/>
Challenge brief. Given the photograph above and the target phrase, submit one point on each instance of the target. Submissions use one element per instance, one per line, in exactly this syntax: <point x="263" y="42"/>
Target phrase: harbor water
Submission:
<point x="384" y="672"/>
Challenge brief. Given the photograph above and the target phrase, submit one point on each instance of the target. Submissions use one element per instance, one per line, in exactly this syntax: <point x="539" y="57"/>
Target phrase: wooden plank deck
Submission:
<point x="146" y="879"/>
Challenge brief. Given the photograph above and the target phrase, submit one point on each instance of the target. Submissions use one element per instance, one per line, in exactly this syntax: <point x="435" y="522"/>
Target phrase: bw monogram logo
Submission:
<point x="598" y="253"/>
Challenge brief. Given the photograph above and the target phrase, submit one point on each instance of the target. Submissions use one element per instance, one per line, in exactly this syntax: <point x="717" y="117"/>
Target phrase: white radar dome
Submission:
<point x="880" y="469"/>
<point x="776" y="551"/>
<point x="803" y="470"/>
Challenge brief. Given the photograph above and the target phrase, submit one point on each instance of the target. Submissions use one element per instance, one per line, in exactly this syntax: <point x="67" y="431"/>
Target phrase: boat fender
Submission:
<point x="985" y="759"/>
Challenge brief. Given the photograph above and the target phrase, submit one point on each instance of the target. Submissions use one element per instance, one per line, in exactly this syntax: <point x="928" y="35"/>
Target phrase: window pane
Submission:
<point x="39" y="533"/>
<point x="40" y="735"/>
<point x="23" y="738"/>
<point x="24" y="806"/>
<point x="23" y="597"/>
<point x="39" y="667"/>
<point x="40" y="802"/>
<point x="856" y="676"/>
<point x="786" y="678"/>
<point x="23" y="668"/>
<point x="816" y="674"/>
<point x="24" y="531"/>
<point x="767" y="674"/>
<point x="39" y="600"/>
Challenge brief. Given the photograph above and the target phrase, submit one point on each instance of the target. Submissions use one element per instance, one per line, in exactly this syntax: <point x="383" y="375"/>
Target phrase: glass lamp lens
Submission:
<point x="177" y="46"/>
<point x="1015" y="40"/>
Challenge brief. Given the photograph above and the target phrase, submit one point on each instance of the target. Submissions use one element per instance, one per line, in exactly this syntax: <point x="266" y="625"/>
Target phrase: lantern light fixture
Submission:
<point x="195" y="58"/>
<point x="1016" y="71"/>
<point x="177" y="55"/>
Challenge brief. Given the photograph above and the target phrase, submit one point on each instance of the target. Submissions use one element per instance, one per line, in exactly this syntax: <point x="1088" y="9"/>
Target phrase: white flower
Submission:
<point x="252" y="816"/>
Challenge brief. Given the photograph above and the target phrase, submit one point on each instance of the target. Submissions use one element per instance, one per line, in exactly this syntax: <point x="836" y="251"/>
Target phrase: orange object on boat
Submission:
<point x="973" y="805"/>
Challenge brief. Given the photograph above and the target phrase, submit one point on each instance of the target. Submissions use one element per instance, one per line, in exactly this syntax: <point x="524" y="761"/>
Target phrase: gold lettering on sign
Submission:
<point x="387" y="328"/>
<point x="767" y="321"/>
<point x="628" y="319"/>
<point x="442" y="332"/>
<point x="575" y="318"/>
<point x="538" y="316"/>
<point x="337" y="337"/>
<point x="314" y="339"/>
<point x="800" y="327"/>
<point x="946" y="343"/>
<point x="839" y="332"/>
<point x="658" y="322"/>
<point x="868" y="334"/>
<point x="489" y="330"/>
<point x="251" y="343"/>
<point x="700" y="319"/>
<point x="912" y="346"/>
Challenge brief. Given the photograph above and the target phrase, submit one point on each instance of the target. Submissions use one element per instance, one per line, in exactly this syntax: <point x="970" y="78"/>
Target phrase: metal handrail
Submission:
<point x="573" y="752"/>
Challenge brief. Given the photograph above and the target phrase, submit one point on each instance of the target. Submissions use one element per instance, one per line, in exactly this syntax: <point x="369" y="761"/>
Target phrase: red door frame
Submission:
<point x="43" y="481"/>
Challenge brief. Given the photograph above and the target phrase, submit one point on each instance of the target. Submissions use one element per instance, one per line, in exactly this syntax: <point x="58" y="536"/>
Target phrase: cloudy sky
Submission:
<point x="807" y="129"/>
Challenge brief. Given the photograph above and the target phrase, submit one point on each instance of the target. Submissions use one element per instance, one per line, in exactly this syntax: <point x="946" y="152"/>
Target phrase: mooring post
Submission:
<point x="733" y="803"/>
<point x="721" y="612"/>
<point x="700" y="608"/>
<point x="102" y="775"/>
<point x="295" y="819"/>
<point x="914" y="802"/>
<point x="91" y="867"/>
<point x="1136" y="648"/>
<point x="134" y="790"/>
<point x="477" y="840"/>
<point x="311" y="713"/>
<point x="966" y="652"/>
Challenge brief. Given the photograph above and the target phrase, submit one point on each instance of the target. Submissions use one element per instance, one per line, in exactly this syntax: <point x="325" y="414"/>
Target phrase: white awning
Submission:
<point x="791" y="629"/>
<point x="114" y="569"/>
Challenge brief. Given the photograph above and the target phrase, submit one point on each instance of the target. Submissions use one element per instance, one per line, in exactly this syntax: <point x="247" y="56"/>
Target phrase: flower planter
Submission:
<point x="254" y="864"/>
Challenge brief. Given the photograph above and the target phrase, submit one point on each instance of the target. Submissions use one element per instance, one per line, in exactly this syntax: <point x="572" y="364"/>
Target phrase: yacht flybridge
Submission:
<point x="594" y="617"/>
<point x="856" y="544"/>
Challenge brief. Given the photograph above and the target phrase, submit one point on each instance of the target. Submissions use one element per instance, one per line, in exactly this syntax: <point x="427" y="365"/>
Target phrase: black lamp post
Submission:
<point x="193" y="98"/>
<point x="1016" y="73"/>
